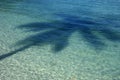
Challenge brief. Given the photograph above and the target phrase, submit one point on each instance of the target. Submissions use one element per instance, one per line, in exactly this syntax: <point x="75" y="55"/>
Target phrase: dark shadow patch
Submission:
<point x="58" y="32"/>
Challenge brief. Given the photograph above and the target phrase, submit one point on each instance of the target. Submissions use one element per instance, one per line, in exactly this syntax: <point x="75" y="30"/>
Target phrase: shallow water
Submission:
<point x="59" y="40"/>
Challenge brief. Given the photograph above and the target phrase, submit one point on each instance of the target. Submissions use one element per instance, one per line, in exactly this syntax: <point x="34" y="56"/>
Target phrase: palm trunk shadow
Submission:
<point x="13" y="52"/>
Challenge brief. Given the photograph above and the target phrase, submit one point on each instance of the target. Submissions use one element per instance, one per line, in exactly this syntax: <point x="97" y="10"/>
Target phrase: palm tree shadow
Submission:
<point x="57" y="33"/>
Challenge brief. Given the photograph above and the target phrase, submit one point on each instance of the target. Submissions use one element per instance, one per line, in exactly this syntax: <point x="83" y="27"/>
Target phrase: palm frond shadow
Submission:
<point x="57" y="33"/>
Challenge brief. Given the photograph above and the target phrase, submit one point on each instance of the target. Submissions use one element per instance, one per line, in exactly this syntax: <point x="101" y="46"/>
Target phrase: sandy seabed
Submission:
<point x="77" y="61"/>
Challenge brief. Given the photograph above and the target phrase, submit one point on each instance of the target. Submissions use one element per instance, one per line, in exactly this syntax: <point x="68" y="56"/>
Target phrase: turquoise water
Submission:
<point x="59" y="40"/>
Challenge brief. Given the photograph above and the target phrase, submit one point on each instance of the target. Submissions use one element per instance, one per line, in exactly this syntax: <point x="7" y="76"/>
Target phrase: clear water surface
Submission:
<point x="59" y="39"/>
